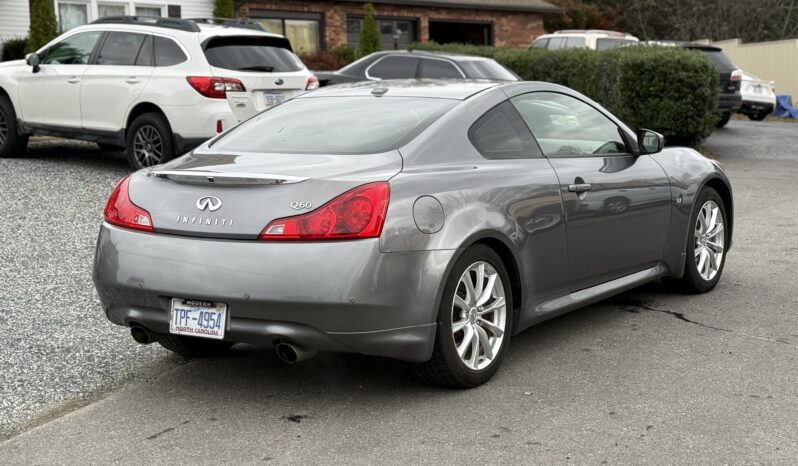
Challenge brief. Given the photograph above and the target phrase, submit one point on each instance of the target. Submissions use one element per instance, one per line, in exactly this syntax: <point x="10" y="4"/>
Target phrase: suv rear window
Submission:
<point x="335" y="125"/>
<point x="720" y="60"/>
<point x="252" y="53"/>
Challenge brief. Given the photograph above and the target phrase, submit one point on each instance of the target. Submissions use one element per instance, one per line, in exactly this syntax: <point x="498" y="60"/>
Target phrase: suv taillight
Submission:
<point x="215" y="88"/>
<point x="357" y="213"/>
<point x="121" y="211"/>
<point x="736" y="75"/>
<point x="313" y="83"/>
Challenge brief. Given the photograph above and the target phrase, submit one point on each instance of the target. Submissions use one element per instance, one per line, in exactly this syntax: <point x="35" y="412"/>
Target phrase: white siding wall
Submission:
<point x="14" y="19"/>
<point x="195" y="8"/>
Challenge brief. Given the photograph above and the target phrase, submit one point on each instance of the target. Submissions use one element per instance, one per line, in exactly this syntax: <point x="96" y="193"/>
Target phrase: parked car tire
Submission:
<point x="724" y="119"/>
<point x="109" y="147"/>
<point x="149" y="141"/>
<point x="474" y="328"/>
<point x="194" y="347"/>
<point x="706" y="243"/>
<point x="12" y="144"/>
<point x="758" y="116"/>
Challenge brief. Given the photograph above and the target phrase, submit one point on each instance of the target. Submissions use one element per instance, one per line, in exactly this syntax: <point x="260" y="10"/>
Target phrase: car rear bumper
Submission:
<point x="729" y="102"/>
<point x="753" y="107"/>
<point x="337" y="296"/>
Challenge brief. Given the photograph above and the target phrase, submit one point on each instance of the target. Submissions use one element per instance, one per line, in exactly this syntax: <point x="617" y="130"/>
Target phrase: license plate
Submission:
<point x="271" y="100"/>
<point x="198" y="318"/>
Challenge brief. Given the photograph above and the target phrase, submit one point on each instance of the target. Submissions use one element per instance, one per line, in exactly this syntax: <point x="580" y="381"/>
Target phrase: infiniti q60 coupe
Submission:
<point x="426" y="221"/>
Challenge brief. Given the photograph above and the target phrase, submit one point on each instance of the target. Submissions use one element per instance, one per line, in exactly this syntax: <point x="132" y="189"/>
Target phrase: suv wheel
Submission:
<point x="474" y="322"/>
<point x="149" y="141"/>
<point x="12" y="144"/>
<point x="724" y="119"/>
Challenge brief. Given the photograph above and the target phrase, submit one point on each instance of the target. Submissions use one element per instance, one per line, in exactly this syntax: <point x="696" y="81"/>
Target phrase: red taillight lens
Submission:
<point x="215" y="88"/>
<point x="119" y="210"/>
<point x="313" y="83"/>
<point x="358" y="213"/>
<point x="736" y="75"/>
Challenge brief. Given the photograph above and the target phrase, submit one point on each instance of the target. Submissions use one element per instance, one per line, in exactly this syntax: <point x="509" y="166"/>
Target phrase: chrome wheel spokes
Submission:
<point x="3" y="128"/>
<point x="147" y="146"/>
<point x="709" y="240"/>
<point x="479" y="315"/>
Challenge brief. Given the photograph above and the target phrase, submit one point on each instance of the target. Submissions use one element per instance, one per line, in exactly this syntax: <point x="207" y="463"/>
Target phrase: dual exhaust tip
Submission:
<point x="289" y="353"/>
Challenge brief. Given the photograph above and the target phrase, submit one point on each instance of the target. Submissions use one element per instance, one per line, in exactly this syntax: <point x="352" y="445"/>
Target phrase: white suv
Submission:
<point x="583" y="39"/>
<point x="157" y="87"/>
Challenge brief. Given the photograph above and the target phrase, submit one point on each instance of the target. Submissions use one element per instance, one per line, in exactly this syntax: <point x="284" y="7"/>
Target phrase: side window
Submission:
<point x="540" y="44"/>
<point x="74" y="50"/>
<point x="575" y="43"/>
<point x="556" y="43"/>
<point x="120" y="48"/>
<point x="394" y="67"/>
<point x="167" y="52"/>
<point x="567" y="127"/>
<point x="146" y="57"/>
<point x="500" y="134"/>
<point x="439" y="69"/>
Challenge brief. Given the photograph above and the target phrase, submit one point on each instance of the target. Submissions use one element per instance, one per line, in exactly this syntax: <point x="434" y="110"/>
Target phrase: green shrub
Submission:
<point x="369" y="36"/>
<point x="43" y="27"/>
<point x="667" y="89"/>
<point x="14" y="49"/>
<point x="223" y="9"/>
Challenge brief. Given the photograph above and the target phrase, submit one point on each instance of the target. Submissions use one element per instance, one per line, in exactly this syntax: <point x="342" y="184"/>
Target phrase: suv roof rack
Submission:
<point x="169" y="23"/>
<point x="232" y="22"/>
<point x="588" y="31"/>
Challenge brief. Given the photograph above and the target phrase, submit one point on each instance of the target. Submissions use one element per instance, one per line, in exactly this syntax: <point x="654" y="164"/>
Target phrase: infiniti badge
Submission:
<point x="209" y="203"/>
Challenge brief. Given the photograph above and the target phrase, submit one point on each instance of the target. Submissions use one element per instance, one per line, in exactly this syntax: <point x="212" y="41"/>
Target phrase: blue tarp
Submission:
<point x="784" y="108"/>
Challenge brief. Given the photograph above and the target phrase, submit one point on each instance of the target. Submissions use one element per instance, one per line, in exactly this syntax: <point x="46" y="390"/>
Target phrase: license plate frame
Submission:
<point x="197" y="318"/>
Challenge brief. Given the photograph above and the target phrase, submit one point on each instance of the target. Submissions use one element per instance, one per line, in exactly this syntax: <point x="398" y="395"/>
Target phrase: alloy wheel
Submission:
<point x="479" y="315"/>
<point x="709" y="240"/>
<point x="148" y="146"/>
<point x="3" y="127"/>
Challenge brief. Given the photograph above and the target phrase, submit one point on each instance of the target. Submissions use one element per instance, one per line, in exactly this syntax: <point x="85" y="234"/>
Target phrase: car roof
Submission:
<point x="205" y="30"/>
<point x="434" y="54"/>
<point x="683" y="44"/>
<point x="457" y="89"/>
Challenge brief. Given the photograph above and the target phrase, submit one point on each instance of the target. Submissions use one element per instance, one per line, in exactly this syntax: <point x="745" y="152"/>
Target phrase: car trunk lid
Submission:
<point x="235" y="195"/>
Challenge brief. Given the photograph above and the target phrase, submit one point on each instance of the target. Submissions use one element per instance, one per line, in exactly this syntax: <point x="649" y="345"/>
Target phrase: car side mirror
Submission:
<point x="650" y="142"/>
<point x="33" y="60"/>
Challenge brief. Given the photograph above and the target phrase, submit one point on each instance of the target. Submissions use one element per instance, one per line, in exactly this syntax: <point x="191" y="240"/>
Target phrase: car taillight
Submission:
<point x="121" y="211"/>
<point x="357" y="213"/>
<point x="313" y="83"/>
<point x="215" y="88"/>
<point x="736" y="75"/>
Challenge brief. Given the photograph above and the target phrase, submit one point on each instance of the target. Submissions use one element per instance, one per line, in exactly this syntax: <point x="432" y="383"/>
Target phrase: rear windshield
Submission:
<point x="486" y="69"/>
<point x="720" y="60"/>
<point x="335" y="125"/>
<point x="252" y="53"/>
<point x="606" y="44"/>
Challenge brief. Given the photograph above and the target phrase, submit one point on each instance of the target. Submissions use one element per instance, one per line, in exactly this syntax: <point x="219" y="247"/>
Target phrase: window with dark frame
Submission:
<point x="304" y="30"/>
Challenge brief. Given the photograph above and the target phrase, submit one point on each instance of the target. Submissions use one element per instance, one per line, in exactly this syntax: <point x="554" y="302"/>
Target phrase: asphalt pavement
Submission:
<point x="648" y="377"/>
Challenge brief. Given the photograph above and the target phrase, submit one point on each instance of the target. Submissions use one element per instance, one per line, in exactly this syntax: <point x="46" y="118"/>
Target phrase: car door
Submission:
<point x="51" y="96"/>
<point x="115" y="79"/>
<point x="393" y="67"/>
<point x="617" y="205"/>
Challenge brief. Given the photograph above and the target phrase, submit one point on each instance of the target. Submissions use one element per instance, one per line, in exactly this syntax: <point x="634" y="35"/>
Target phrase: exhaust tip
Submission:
<point x="141" y="335"/>
<point x="290" y="353"/>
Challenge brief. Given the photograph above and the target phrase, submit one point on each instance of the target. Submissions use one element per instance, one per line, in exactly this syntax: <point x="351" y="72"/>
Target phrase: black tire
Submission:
<point x="692" y="281"/>
<point x="445" y="368"/>
<point x="758" y="116"/>
<point x="150" y="122"/>
<point x="194" y="347"/>
<point x="12" y="144"/>
<point x="724" y="119"/>
<point x="110" y="147"/>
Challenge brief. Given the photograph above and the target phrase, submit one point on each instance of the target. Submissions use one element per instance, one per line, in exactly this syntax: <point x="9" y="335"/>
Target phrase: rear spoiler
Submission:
<point x="205" y="177"/>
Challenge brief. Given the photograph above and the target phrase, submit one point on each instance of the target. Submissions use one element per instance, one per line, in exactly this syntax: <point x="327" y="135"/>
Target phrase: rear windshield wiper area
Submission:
<point x="265" y="69"/>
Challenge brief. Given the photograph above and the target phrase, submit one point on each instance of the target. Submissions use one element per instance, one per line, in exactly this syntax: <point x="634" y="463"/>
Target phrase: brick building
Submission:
<point x="314" y="25"/>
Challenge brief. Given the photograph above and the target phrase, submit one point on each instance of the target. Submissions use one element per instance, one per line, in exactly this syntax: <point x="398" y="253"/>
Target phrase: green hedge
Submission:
<point x="668" y="89"/>
<point x="14" y="49"/>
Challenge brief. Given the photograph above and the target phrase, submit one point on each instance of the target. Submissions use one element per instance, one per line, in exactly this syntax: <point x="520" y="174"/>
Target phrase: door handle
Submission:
<point x="132" y="80"/>
<point x="73" y="80"/>
<point x="579" y="187"/>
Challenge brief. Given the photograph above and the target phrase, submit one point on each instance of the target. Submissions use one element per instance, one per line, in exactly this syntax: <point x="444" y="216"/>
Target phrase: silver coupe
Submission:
<point x="427" y="221"/>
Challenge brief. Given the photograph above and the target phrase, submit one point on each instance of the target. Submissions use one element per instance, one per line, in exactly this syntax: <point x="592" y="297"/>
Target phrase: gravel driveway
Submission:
<point x="648" y="377"/>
